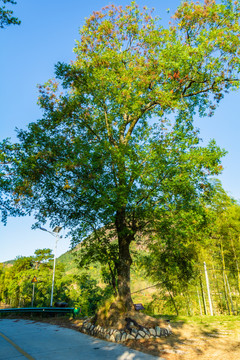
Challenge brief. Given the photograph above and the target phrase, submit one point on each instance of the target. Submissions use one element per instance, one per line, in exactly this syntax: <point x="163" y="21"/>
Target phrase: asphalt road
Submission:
<point x="26" y="339"/>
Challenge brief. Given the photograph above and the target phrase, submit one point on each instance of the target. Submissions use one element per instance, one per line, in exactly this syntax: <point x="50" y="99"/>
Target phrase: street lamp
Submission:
<point x="54" y="233"/>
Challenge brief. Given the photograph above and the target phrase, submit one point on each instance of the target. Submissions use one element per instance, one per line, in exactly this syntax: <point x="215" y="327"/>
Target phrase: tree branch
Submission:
<point x="148" y="107"/>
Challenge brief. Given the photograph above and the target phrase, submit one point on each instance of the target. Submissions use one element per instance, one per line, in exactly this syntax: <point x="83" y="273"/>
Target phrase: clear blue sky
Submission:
<point x="28" y="53"/>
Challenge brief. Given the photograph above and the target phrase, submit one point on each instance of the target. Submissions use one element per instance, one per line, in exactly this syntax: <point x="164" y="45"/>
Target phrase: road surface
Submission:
<point x="26" y="339"/>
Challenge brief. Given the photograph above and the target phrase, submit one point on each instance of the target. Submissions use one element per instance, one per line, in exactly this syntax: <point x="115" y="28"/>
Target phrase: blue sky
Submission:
<point x="28" y="54"/>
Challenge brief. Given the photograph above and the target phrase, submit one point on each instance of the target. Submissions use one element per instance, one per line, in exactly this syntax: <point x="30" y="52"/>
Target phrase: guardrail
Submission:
<point x="43" y="310"/>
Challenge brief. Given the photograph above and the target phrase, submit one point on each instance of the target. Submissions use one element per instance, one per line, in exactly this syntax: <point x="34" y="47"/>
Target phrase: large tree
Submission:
<point x="116" y="146"/>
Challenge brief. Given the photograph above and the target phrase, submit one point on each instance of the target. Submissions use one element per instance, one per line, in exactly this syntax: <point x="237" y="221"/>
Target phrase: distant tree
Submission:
<point x="118" y="147"/>
<point x="42" y="256"/>
<point x="16" y="280"/>
<point x="6" y="17"/>
<point x="22" y="263"/>
<point x="225" y="235"/>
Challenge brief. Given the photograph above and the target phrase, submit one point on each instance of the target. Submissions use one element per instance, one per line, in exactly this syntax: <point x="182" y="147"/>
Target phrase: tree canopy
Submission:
<point x="6" y="17"/>
<point x="116" y="146"/>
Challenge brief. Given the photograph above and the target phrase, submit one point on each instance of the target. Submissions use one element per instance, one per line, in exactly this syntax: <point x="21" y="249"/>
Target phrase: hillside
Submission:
<point x="9" y="262"/>
<point x="141" y="287"/>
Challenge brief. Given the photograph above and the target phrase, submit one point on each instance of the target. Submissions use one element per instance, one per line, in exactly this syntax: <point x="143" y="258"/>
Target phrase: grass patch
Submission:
<point x="207" y="325"/>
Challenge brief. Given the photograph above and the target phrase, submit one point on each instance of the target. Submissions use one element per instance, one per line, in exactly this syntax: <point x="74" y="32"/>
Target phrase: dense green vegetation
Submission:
<point x="166" y="280"/>
<point x="76" y="287"/>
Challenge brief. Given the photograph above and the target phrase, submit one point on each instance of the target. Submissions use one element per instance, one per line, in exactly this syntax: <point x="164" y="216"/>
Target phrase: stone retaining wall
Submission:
<point x="122" y="335"/>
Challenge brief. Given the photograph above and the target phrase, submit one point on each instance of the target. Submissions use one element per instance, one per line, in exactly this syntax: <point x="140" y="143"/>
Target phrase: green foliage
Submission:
<point x="100" y="247"/>
<point x="76" y="289"/>
<point x="16" y="285"/>
<point x="176" y="262"/>
<point x="91" y="296"/>
<point x="42" y="256"/>
<point x="6" y="17"/>
<point x="174" y="249"/>
<point x="117" y="149"/>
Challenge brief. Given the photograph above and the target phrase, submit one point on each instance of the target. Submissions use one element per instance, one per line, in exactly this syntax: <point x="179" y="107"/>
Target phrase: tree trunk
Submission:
<point x="172" y="299"/>
<point x="125" y="237"/>
<point x="237" y="266"/>
<point x="203" y="296"/>
<point x="224" y="278"/>
<point x="113" y="280"/>
<point x="124" y="282"/>
<point x="218" y="290"/>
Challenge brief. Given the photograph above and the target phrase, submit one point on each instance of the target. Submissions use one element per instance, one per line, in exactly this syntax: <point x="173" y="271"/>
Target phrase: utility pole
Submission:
<point x="54" y="233"/>
<point x="34" y="281"/>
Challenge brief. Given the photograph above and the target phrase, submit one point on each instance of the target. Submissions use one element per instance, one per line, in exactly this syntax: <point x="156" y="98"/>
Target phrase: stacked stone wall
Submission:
<point x="115" y="335"/>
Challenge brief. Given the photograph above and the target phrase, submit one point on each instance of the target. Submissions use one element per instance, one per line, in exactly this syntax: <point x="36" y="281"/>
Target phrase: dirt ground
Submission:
<point x="188" y="342"/>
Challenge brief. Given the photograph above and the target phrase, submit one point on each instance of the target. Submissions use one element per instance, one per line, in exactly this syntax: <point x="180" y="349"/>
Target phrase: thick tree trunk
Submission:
<point x="124" y="277"/>
<point x="125" y="237"/>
